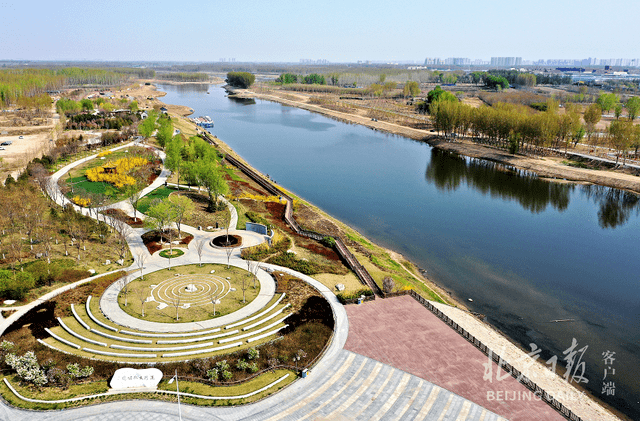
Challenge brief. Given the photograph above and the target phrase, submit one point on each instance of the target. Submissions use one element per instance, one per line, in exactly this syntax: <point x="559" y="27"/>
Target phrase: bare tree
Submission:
<point x="175" y="301"/>
<point x="142" y="296"/>
<point x="200" y="242"/>
<point x="244" y="288"/>
<point x="141" y="258"/>
<point x="134" y="193"/>
<point x="229" y="251"/>
<point x="214" y="297"/>
<point x="122" y="230"/>
<point x="123" y="283"/>
<point x="255" y="269"/>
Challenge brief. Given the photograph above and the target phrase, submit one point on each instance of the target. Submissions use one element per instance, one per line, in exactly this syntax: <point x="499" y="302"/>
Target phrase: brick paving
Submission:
<point x="402" y="333"/>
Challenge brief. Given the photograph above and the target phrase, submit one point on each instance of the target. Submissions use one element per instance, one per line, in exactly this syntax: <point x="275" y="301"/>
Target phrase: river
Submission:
<point x="527" y="251"/>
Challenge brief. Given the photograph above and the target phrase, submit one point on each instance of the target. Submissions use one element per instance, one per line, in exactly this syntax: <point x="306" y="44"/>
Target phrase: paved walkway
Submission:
<point x="404" y="334"/>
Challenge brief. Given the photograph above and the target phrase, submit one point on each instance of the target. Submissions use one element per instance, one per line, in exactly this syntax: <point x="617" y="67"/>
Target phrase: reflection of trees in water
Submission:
<point x="192" y="87"/>
<point x="448" y="170"/>
<point x="242" y="101"/>
<point x="616" y="206"/>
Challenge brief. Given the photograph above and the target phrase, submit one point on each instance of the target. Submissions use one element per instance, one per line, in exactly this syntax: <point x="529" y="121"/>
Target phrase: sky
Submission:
<point x="337" y="31"/>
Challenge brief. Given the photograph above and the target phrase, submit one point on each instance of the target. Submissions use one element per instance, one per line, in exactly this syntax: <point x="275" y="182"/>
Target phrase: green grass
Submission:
<point x="159" y="193"/>
<point x="176" y="253"/>
<point x="229" y="304"/>
<point x="242" y="215"/>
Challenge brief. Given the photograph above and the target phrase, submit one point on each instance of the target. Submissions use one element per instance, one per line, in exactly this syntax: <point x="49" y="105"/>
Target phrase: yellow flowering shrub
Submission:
<point x="104" y="153"/>
<point x="120" y="178"/>
<point x="81" y="201"/>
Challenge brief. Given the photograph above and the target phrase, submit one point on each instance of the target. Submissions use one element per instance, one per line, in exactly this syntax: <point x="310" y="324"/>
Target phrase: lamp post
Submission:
<point x="178" y="392"/>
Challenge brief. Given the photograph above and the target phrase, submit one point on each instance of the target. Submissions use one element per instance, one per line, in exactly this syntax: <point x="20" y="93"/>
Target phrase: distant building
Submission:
<point x="506" y="61"/>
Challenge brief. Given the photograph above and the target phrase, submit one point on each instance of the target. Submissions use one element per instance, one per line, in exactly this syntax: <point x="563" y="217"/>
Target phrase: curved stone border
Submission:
<point x="82" y="338"/>
<point x="257" y="316"/>
<point x="95" y="320"/>
<point x="177" y="348"/>
<point x="250" y="334"/>
<point x="170" y="392"/>
<point x="266" y="335"/>
<point x="186" y="341"/>
<point x="120" y="338"/>
<point x="75" y="314"/>
<point x="118" y="354"/>
<point x="168" y="335"/>
<point x="266" y="319"/>
<point x="202" y="351"/>
<point x="89" y="358"/>
<point x="63" y="340"/>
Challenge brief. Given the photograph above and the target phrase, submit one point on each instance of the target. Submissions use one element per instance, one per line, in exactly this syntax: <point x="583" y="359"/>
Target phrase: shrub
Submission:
<point x="290" y="261"/>
<point x="58" y="377"/>
<point x="242" y="364"/>
<point x="328" y="241"/>
<point x="76" y="372"/>
<point x="388" y="285"/>
<point x="345" y="297"/>
<point x="253" y="353"/>
<point x="212" y="374"/>
<point x="27" y="368"/>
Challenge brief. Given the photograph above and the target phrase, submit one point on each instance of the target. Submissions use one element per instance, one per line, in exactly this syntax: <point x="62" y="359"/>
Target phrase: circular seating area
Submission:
<point x="90" y="334"/>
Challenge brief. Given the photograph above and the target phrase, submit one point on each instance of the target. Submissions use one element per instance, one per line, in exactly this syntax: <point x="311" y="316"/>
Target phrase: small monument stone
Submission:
<point x="131" y="378"/>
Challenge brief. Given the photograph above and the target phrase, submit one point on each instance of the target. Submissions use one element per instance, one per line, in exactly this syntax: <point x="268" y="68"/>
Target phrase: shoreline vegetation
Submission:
<point x="547" y="168"/>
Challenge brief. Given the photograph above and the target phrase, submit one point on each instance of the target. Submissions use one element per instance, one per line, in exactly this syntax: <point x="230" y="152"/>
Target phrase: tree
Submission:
<point x="148" y="125"/>
<point x="240" y="79"/>
<point x="175" y="301"/>
<point x="209" y="175"/>
<point x="477" y="77"/>
<point x="183" y="207"/>
<point x="142" y="296"/>
<point x="617" y="110"/>
<point x="200" y="242"/>
<point x="229" y="252"/>
<point x="620" y="136"/>
<point x="411" y="88"/>
<point x="165" y="132"/>
<point x="134" y="193"/>
<point x="592" y="116"/>
<point x="174" y="159"/>
<point x="214" y="294"/>
<point x="607" y="101"/>
<point x="123" y="284"/>
<point x="161" y="215"/>
<point x="633" y="107"/>
<point x="141" y="258"/>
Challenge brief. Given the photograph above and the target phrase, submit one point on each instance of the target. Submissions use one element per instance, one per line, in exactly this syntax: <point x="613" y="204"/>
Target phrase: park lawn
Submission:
<point x="236" y="390"/>
<point x="91" y="388"/>
<point x="161" y="193"/>
<point x="228" y="304"/>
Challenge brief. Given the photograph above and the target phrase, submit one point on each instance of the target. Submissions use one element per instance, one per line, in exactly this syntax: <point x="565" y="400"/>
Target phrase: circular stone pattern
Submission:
<point x="194" y="290"/>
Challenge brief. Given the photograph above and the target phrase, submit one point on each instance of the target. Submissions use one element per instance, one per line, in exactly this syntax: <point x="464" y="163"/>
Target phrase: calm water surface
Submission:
<point x="526" y="251"/>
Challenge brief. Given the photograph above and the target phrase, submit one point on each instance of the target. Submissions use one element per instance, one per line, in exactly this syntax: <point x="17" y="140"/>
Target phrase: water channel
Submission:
<point x="529" y="252"/>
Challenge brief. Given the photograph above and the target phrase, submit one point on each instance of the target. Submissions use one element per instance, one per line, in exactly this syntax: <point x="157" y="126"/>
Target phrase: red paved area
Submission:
<point x="404" y="334"/>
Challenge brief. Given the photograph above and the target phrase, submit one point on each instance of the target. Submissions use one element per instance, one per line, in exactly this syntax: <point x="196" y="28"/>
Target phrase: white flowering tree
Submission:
<point x="27" y="368"/>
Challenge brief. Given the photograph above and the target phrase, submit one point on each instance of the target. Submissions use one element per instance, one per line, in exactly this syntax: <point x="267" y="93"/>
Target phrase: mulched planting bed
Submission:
<point x="130" y="220"/>
<point x="154" y="242"/>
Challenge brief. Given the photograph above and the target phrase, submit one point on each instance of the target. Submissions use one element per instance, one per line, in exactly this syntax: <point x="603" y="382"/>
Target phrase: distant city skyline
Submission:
<point x="335" y="31"/>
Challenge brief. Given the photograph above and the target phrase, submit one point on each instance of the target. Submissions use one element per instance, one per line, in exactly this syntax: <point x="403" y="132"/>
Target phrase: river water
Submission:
<point x="527" y="251"/>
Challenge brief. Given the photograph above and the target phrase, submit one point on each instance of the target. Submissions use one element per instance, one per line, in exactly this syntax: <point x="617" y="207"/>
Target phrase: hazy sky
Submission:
<point x="338" y="31"/>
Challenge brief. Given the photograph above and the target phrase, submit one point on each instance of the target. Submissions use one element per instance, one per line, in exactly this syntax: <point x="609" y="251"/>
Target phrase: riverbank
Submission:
<point x="494" y="341"/>
<point x="547" y="167"/>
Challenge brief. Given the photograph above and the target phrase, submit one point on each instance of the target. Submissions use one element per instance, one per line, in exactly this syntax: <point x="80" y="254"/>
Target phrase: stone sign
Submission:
<point x="128" y="378"/>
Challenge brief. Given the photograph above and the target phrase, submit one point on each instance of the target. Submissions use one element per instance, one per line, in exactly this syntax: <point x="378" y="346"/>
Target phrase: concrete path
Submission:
<point x="402" y="333"/>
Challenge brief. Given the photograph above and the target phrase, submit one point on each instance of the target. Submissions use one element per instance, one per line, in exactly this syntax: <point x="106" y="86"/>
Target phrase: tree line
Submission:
<point x="240" y="79"/>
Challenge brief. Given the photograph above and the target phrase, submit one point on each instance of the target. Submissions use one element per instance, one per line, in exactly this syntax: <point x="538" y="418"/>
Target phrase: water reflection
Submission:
<point x="242" y="101"/>
<point x="190" y="87"/>
<point x="448" y="170"/>
<point x="616" y="206"/>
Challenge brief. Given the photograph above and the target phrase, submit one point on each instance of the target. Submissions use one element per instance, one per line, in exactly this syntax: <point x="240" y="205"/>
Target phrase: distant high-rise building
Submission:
<point x="506" y="61"/>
